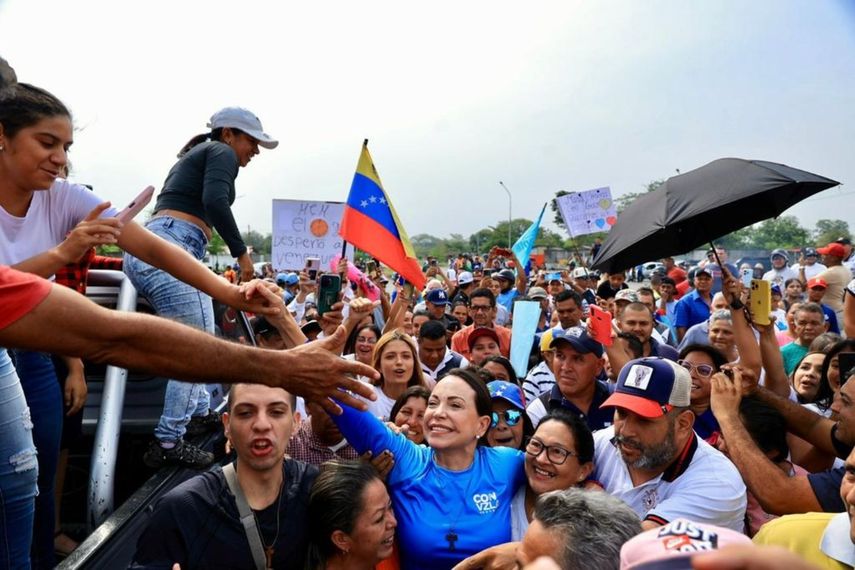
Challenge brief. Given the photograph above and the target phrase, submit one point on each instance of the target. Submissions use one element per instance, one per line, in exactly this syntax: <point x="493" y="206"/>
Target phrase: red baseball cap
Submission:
<point x="834" y="249"/>
<point x="817" y="282"/>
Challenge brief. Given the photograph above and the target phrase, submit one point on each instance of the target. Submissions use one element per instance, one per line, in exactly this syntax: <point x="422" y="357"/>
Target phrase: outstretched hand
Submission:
<point x="316" y="372"/>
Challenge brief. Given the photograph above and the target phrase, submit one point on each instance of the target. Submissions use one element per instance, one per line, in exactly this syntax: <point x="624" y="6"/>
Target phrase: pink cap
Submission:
<point x="678" y="539"/>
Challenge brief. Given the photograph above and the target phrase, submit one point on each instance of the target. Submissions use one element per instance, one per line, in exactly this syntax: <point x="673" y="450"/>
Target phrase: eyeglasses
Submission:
<point x="703" y="370"/>
<point x="556" y="455"/>
<point x="476" y="308"/>
<point x="511" y="417"/>
<point x="366" y="339"/>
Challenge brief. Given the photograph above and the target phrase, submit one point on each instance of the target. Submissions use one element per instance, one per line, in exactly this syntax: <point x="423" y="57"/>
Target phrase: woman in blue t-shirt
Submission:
<point x="451" y="499"/>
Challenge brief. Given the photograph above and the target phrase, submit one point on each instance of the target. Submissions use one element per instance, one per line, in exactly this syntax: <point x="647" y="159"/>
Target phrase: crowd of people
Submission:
<point x="396" y="433"/>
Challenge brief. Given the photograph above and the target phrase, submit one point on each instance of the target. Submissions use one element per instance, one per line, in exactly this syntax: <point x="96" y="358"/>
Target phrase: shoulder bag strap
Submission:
<point x="246" y="518"/>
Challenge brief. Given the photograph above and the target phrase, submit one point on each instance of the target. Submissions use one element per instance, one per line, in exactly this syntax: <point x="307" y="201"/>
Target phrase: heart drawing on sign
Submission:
<point x="600" y="222"/>
<point x="605" y="203"/>
<point x="611" y="220"/>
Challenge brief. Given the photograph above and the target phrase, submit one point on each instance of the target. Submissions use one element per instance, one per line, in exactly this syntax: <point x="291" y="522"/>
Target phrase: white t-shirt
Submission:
<point x="382" y="406"/>
<point x="811" y="271"/>
<point x="52" y="214"/>
<point x="519" y="518"/>
<point x="708" y="489"/>
<point x="780" y="276"/>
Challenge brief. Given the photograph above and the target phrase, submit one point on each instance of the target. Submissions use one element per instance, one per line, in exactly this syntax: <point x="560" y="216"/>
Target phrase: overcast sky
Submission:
<point x="454" y="96"/>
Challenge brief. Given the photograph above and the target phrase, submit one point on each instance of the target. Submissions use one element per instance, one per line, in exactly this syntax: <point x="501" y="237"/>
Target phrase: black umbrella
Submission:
<point x="701" y="205"/>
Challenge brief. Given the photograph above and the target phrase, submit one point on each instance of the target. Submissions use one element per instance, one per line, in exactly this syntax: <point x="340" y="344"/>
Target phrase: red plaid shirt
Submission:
<point x="74" y="275"/>
<point x="306" y="447"/>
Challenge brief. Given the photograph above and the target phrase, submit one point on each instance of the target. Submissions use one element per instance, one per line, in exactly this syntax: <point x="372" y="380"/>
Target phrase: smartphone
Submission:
<point x="328" y="291"/>
<point x="313" y="264"/>
<point x="845" y="363"/>
<point x="760" y="301"/>
<point x="747" y="276"/>
<point x="601" y="325"/>
<point x="136" y="205"/>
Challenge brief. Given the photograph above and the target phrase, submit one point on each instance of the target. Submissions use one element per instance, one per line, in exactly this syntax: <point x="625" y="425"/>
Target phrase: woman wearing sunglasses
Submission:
<point x="510" y="426"/>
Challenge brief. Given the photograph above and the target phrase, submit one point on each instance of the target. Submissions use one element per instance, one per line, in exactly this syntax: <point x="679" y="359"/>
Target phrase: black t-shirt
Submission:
<point x="826" y="487"/>
<point x="605" y="290"/>
<point x="197" y="524"/>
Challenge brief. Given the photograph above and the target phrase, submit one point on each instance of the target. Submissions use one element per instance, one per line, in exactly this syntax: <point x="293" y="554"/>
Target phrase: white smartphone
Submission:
<point x="136" y="205"/>
<point x="313" y="264"/>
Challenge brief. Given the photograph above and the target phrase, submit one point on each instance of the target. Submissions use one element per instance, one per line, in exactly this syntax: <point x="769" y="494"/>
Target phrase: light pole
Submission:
<point x="502" y="184"/>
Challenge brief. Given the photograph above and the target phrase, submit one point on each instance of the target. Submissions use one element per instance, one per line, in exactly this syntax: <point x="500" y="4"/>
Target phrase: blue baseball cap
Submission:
<point x="508" y="391"/>
<point x="437" y="297"/>
<point x="287" y="279"/>
<point x="578" y="338"/>
<point x="550" y="277"/>
<point x="651" y="387"/>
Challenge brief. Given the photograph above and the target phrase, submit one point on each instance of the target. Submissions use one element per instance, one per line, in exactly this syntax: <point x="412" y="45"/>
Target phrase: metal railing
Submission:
<point x="105" y="449"/>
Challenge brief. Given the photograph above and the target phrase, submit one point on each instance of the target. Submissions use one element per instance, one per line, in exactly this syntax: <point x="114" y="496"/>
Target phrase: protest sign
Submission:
<point x="588" y="212"/>
<point x="304" y="229"/>
<point x="526" y="317"/>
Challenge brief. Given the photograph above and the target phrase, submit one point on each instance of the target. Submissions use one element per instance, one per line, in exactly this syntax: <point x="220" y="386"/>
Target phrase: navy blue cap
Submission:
<point x="578" y="338"/>
<point x="437" y="297"/>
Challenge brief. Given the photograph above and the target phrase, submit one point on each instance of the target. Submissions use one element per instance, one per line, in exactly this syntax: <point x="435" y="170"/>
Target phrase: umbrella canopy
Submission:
<point x="702" y="205"/>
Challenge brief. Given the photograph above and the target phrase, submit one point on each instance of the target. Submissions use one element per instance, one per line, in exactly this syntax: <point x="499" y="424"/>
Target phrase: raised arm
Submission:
<point x="749" y="350"/>
<point x="776" y="492"/>
<point x="161" y="346"/>
<point x="158" y="252"/>
<point x="776" y="380"/>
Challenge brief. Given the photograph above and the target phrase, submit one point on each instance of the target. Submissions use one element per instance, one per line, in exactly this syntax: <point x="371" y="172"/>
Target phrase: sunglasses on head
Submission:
<point x="511" y="417"/>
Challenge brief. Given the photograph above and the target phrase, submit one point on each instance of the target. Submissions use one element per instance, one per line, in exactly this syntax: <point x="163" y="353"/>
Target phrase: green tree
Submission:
<point x="782" y="232"/>
<point x="828" y="231"/>
<point x="260" y="243"/>
<point x="623" y="201"/>
<point x="740" y="239"/>
<point x="425" y="244"/>
<point x="216" y="245"/>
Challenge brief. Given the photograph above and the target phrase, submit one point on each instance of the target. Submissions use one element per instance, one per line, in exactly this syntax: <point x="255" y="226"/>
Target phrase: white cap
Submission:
<point x="465" y="278"/>
<point x="244" y="120"/>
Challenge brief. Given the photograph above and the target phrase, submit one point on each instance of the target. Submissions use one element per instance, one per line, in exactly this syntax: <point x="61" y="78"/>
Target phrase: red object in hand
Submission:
<point x="601" y="325"/>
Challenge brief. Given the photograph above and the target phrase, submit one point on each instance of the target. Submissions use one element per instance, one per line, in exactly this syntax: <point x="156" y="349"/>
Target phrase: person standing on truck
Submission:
<point x="47" y="222"/>
<point x="196" y="197"/>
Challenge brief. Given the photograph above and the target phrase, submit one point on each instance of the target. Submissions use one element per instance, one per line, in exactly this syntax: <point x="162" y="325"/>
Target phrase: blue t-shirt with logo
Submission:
<point x="435" y="507"/>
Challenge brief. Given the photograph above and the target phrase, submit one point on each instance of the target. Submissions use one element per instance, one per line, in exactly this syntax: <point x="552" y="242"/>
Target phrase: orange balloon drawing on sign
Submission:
<point x="319" y="227"/>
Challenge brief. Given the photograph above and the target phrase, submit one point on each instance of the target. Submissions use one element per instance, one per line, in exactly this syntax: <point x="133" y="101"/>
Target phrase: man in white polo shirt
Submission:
<point x="652" y="459"/>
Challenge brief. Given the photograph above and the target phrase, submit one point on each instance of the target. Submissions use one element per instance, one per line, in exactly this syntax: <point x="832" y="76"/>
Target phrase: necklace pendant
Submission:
<point x="451" y="537"/>
<point x="268" y="553"/>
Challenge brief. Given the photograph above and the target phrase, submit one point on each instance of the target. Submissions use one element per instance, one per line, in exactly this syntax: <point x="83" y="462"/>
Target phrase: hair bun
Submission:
<point x="7" y="74"/>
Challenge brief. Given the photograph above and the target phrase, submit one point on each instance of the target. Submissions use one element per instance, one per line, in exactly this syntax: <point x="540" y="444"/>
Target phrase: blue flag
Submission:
<point x="522" y="248"/>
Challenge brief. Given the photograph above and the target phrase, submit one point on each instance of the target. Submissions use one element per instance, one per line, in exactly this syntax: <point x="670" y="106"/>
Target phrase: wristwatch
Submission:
<point x="736" y="304"/>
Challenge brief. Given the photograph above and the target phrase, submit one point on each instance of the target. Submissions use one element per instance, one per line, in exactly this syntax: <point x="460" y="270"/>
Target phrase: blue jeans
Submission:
<point x="18" y="470"/>
<point x="180" y="302"/>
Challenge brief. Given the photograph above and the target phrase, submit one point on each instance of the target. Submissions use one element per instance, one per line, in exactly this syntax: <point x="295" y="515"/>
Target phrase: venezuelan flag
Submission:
<point x="371" y="223"/>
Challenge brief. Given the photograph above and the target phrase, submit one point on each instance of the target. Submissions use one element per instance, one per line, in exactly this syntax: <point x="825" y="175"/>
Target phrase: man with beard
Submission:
<point x="652" y="459"/>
